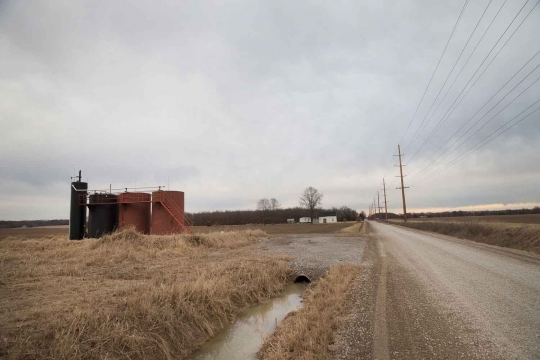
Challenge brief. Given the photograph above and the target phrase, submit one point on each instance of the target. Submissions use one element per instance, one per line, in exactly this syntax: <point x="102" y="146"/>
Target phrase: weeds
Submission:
<point x="307" y="333"/>
<point x="522" y="237"/>
<point x="128" y="295"/>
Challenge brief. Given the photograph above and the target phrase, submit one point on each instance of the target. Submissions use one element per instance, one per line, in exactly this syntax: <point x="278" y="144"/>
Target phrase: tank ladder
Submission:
<point x="176" y="212"/>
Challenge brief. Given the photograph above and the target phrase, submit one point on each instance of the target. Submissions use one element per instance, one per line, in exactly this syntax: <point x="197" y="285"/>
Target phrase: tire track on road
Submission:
<point x="380" y="333"/>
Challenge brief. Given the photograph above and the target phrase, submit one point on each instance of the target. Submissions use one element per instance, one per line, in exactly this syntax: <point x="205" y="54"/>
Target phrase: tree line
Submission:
<point x="414" y="215"/>
<point x="276" y="216"/>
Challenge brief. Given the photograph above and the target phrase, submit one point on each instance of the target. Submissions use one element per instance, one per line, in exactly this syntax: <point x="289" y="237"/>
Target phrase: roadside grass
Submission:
<point x="360" y="228"/>
<point x="521" y="237"/>
<point x="307" y="333"/>
<point x="128" y="295"/>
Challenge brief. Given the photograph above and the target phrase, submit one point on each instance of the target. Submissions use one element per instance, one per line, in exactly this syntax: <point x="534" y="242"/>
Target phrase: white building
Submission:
<point x="290" y="221"/>
<point x="305" y="220"/>
<point x="327" y="219"/>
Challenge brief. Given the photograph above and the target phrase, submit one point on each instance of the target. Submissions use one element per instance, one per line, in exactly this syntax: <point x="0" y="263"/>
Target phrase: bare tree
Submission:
<point x="311" y="199"/>
<point x="263" y="204"/>
<point x="274" y="204"/>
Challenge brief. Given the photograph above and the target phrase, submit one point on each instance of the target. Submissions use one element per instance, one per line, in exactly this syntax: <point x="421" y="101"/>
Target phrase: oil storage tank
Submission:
<point x="103" y="218"/>
<point x="77" y="210"/>
<point x="162" y="221"/>
<point x="135" y="211"/>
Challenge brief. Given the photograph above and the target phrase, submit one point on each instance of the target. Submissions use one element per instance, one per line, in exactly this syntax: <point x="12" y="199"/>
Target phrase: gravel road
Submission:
<point x="440" y="297"/>
<point x="314" y="254"/>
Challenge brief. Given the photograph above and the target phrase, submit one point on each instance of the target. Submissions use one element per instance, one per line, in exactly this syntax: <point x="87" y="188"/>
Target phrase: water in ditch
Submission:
<point x="243" y="339"/>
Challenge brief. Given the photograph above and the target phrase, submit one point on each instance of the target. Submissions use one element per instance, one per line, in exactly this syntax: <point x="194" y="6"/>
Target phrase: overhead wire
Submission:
<point x="431" y="79"/>
<point x="448" y="77"/>
<point x="452" y="85"/>
<point x="448" y="112"/>
<point x="487" y="102"/>
<point x="477" y="147"/>
<point x="436" y="67"/>
<point x="471" y="127"/>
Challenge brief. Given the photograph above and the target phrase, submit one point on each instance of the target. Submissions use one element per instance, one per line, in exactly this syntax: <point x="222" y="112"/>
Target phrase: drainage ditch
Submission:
<point x="243" y="339"/>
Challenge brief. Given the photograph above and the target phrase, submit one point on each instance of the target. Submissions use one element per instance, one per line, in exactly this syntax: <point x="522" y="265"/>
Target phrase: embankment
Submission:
<point x="515" y="236"/>
<point x="307" y="333"/>
<point x="128" y="295"/>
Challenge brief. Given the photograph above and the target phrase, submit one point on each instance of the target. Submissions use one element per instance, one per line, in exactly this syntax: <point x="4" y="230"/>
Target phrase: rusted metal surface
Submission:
<point x="135" y="211"/>
<point x="168" y="213"/>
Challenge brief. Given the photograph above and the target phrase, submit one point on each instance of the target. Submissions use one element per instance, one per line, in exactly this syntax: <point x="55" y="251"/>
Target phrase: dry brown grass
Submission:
<point x="128" y="295"/>
<point x="307" y="333"/>
<point x="39" y="232"/>
<point x="514" y="219"/>
<point x="522" y="237"/>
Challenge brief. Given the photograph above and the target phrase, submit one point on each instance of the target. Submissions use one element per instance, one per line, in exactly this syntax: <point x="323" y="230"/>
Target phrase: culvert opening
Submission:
<point x="302" y="279"/>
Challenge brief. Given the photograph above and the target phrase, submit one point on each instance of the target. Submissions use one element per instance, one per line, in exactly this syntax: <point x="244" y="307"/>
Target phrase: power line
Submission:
<point x="431" y="79"/>
<point x="452" y="85"/>
<point x="476" y="147"/>
<point x="487" y="102"/>
<point x="448" y="77"/>
<point x="436" y="68"/>
<point x="534" y="82"/>
<point x="448" y="112"/>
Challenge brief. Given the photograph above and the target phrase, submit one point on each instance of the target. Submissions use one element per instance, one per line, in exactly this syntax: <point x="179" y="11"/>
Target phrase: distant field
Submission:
<point x="278" y="228"/>
<point x="516" y="219"/>
<point x="37" y="232"/>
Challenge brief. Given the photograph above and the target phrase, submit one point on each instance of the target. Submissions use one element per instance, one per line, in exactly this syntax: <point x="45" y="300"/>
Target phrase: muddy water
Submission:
<point x="244" y="338"/>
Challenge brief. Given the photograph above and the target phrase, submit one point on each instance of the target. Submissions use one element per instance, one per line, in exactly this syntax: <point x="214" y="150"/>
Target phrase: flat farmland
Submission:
<point x="35" y="232"/>
<point x="513" y="219"/>
<point x="38" y="232"/>
<point x="278" y="228"/>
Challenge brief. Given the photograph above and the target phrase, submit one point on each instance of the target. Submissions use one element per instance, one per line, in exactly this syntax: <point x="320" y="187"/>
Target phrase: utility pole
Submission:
<point x="385" y="207"/>
<point x="402" y="186"/>
<point x="375" y="207"/>
<point x="379" y="203"/>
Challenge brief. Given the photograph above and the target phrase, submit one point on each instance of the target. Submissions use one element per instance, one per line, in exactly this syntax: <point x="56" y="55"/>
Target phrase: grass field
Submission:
<point x="514" y="219"/>
<point x="38" y="232"/>
<point x="521" y="236"/>
<point x="128" y="295"/>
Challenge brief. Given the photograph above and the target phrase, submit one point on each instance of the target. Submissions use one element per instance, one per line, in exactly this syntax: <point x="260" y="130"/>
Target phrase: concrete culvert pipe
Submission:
<point x="302" y="279"/>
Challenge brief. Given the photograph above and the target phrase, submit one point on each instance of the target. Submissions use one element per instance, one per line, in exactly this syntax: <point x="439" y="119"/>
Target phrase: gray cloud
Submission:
<point x="234" y="102"/>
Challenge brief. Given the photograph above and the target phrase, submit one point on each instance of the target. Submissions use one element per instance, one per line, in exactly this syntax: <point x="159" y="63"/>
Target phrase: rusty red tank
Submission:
<point x="135" y="211"/>
<point x="163" y="203"/>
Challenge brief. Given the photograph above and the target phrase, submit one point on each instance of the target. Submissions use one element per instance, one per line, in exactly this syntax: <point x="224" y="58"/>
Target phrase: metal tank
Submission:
<point x="135" y="211"/>
<point x="103" y="218"/>
<point x="162" y="221"/>
<point x="77" y="210"/>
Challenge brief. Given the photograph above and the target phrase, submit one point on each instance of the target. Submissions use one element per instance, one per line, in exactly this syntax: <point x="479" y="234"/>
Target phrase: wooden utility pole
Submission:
<point x="379" y="203"/>
<point x="385" y="207"/>
<point x="402" y="186"/>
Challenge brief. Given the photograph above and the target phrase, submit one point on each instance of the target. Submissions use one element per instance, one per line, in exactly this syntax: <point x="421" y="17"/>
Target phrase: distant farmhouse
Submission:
<point x="290" y="221"/>
<point x="324" y="218"/>
<point x="327" y="219"/>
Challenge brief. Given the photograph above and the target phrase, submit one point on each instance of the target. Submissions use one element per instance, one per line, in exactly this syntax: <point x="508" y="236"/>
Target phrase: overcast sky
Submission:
<point x="234" y="101"/>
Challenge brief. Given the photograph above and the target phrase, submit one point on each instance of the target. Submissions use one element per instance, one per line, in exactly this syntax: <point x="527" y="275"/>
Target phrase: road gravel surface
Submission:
<point x="438" y="297"/>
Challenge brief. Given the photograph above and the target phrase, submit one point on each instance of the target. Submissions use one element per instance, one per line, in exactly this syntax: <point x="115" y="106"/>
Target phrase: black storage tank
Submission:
<point x="77" y="212"/>
<point x="103" y="217"/>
